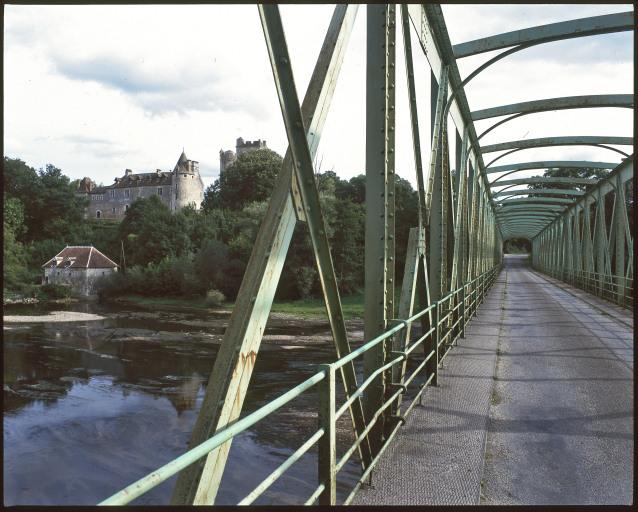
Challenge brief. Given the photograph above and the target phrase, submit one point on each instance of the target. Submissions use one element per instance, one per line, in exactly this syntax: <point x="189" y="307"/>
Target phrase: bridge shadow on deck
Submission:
<point x="534" y="406"/>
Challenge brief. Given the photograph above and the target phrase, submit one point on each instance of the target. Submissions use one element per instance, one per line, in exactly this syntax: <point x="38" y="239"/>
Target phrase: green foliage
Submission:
<point x="249" y="179"/>
<point x="517" y="246"/>
<point x="188" y="253"/>
<point x="55" y="291"/>
<point x="214" y="298"/>
<point x="152" y="233"/>
<point x="173" y="276"/>
<point x="51" y="207"/>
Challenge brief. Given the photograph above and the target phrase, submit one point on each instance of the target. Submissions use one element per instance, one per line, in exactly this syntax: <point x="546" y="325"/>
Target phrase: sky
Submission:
<point x="97" y="89"/>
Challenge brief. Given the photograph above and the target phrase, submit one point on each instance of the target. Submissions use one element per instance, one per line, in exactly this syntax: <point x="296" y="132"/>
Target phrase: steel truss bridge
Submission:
<point x="579" y="230"/>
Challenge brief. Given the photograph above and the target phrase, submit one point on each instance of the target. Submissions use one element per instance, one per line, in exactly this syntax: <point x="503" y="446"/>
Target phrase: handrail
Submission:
<point x="468" y="305"/>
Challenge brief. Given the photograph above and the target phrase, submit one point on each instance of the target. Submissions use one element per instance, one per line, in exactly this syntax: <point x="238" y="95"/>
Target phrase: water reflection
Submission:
<point x="91" y="407"/>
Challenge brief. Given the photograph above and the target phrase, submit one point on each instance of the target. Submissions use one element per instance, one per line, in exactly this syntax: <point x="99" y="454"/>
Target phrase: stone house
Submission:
<point x="178" y="188"/>
<point x="227" y="158"/>
<point x="79" y="267"/>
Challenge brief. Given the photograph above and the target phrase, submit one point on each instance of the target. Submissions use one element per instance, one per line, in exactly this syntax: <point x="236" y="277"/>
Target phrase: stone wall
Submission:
<point x="114" y="202"/>
<point x="82" y="281"/>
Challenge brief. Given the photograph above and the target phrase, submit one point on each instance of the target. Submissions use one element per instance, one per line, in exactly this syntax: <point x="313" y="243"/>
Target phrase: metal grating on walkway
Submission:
<point x="438" y="456"/>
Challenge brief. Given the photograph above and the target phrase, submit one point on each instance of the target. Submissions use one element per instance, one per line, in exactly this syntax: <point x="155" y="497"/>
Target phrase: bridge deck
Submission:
<point x="535" y="406"/>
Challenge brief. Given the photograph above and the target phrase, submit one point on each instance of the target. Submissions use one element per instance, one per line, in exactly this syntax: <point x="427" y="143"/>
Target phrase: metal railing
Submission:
<point x="614" y="288"/>
<point x="451" y="313"/>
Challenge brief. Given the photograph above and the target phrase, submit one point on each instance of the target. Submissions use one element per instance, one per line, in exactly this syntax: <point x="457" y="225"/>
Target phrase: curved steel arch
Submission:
<point x="541" y="191"/>
<point x="534" y="179"/>
<point x="562" y="103"/>
<point x="550" y="164"/>
<point x="545" y="105"/>
<point x="542" y="142"/>
<point x="605" y="24"/>
<point x="571" y="140"/>
<point x="517" y="214"/>
<point x="533" y="36"/>
<point x="530" y="208"/>
<point x="539" y="200"/>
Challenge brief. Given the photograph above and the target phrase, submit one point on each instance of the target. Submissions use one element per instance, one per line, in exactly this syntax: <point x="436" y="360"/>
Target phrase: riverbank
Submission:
<point x="352" y="305"/>
<point x="53" y="316"/>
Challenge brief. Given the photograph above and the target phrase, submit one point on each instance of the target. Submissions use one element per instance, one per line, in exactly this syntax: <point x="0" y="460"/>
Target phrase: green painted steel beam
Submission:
<point x="529" y="208"/>
<point x="567" y="102"/>
<point x="541" y="191"/>
<point x="530" y="215"/>
<point x="594" y="25"/>
<point x="539" y="200"/>
<point x="303" y="166"/>
<point x="414" y="117"/>
<point x="526" y="215"/>
<point x="550" y="164"/>
<point x="536" y="180"/>
<point x="624" y="170"/>
<point x="224" y="395"/>
<point x="526" y="223"/>
<point x="572" y="140"/>
<point x="429" y="24"/>
<point x="379" y="254"/>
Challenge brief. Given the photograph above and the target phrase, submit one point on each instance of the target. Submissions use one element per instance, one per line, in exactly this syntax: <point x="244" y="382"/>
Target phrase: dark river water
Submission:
<point x="90" y="407"/>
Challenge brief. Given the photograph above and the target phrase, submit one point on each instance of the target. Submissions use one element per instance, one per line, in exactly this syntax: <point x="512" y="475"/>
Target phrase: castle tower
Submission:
<point x="228" y="158"/>
<point x="188" y="187"/>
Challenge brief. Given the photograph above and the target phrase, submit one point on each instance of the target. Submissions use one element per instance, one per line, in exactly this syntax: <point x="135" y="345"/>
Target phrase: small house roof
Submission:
<point x="80" y="256"/>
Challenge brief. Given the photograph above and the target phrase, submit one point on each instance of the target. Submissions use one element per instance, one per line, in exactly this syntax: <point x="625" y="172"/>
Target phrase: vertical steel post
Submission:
<point x="463" y="316"/>
<point x="436" y="195"/>
<point x="621" y="227"/>
<point x="437" y="341"/>
<point x="379" y="256"/>
<point x="327" y="449"/>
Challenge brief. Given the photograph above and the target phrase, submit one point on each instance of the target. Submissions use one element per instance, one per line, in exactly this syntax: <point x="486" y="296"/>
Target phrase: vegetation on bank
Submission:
<point x="200" y="256"/>
<point x="312" y="307"/>
<point x="194" y="255"/>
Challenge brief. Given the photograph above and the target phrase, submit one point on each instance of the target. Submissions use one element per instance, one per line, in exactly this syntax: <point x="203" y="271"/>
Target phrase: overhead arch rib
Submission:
<point x="541" y="142"/>
<point x="594" y="25"/>
<point x="566" y="102"/>
<point x="547" y="164"/>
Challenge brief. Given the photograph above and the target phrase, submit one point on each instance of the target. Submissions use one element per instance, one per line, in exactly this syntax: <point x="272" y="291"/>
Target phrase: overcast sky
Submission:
<point x="98" y="89"/>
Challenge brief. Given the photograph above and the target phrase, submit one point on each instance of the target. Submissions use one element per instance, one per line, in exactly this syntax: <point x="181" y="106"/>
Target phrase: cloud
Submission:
<point x="164" y="88"/>
<point x="96" y="146"/>
<point x="113" y="72"/>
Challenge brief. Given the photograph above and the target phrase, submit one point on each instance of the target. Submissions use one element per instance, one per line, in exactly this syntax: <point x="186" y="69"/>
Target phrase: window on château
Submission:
<point x="113" y="210"/>
<point x="127" y="193"/>
<point x="159" y="191"/>
<point x="126" y="207"/>
<point x="98" y="214"/>
<point x="112" y="194"/>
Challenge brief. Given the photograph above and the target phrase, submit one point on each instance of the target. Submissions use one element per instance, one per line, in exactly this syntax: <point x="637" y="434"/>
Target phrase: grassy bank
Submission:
<point x="352" y="305"/>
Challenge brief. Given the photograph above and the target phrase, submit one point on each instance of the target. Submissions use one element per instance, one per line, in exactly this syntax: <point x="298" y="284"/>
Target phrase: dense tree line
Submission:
<point x="192" y="251"/>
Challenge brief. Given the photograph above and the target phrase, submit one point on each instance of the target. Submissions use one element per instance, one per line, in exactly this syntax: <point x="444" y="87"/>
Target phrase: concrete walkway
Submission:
<point x="535" y="406"/>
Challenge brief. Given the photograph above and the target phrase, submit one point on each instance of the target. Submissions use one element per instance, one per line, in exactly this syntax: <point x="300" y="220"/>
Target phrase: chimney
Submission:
<point x="158" y="171"/>
<point x="128" y="172"/>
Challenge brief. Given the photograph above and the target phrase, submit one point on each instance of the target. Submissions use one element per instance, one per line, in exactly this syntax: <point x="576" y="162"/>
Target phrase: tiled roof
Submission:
<point x="142" y="179"/>
<point x="80" y="256"/>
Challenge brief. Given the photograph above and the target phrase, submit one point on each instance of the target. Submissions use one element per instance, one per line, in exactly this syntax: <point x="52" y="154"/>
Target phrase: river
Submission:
<point x="90" y="407"/>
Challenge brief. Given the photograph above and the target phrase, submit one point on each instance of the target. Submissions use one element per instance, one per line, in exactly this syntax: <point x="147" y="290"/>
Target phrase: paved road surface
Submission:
<point x="535" y="406"/>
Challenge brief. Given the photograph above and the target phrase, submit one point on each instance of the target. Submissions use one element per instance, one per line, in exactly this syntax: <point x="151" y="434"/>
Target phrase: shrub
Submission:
<point x="56" y="291"/>
<point x="214" y="298"/>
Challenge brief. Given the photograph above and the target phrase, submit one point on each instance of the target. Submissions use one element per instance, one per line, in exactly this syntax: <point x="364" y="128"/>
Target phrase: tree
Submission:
<point x="15" y="257"/>
<point x="347" y="244"/>
<point x="151" y="232"/>
<point x="51" y="207"/>
<point x="249" y="179"/>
